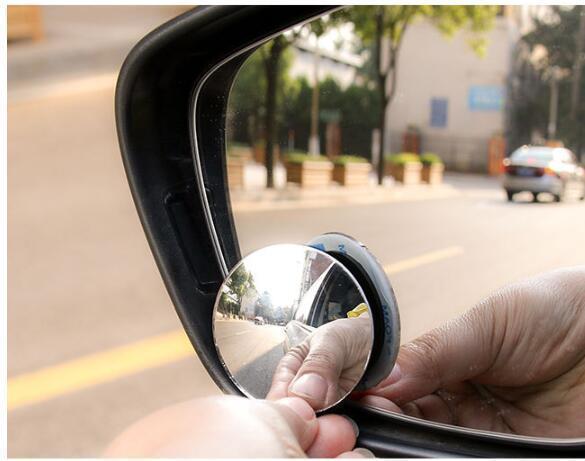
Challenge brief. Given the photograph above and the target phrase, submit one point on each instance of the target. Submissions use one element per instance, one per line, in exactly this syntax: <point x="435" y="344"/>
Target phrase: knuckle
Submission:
<point x="425" y="351"/>
<point x="318" y="360"/>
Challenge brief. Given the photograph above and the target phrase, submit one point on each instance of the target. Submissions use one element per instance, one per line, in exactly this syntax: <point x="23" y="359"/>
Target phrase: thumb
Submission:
<point x="301" y="421"/>
<point x="221" y="427"/>
<point x="461" y="349"/>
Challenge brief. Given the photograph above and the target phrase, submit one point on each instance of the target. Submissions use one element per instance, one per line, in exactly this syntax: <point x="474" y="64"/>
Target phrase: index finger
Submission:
<point x="286" y="371"/>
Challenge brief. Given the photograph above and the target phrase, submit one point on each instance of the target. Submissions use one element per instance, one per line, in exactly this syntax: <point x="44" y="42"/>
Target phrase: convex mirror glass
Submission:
<point x="286" y="311"/>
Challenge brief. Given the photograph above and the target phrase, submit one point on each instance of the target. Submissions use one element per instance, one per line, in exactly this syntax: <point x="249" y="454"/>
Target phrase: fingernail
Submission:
<point x="311" y="386"/>
<point x="299" y="406"/>
<point x="354" y="426"/>
<point x="364" y="452"/>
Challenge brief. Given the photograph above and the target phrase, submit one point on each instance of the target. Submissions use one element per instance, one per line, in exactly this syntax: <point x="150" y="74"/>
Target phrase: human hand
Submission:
<point x="229" y="426"/>
<point x="327" y="365"/>
<point x="515" y="363"/>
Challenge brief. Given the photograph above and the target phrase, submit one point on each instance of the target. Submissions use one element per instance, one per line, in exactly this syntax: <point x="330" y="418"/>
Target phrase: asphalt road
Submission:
<point x="251" y="352"/>
<point x="82" y="280"/>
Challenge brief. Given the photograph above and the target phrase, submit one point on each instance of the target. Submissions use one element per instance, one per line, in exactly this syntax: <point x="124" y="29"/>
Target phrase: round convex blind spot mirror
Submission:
<point x="292" y="320"/>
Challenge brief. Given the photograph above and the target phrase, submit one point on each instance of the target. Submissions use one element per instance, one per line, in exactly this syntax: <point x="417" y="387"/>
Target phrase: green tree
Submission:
<point x="560" y="37"/>
<point x="271" y="55"/>
<point x="297" y="113"/>
<point x="241" y="282"/>
<point x="377" y="24"/>
<point x="228" y="304"/>
<point x="359" y="109"/>
<point x="357" y="105"/>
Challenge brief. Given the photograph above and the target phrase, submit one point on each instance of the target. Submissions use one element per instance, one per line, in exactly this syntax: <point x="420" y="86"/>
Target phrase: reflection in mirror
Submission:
<point x="291" y="320"/>
<point x="310" y="139"/>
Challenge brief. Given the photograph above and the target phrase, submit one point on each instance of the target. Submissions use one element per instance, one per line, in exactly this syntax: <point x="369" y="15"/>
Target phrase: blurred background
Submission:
<point x="82" y="279"/>
<point x="93" y="340"/>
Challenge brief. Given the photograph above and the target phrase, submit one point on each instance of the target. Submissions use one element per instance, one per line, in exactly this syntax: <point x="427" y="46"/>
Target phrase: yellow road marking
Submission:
<point x="109" y="365"/>
<point x="423" y="259"/>
<point x="98" y="368"/>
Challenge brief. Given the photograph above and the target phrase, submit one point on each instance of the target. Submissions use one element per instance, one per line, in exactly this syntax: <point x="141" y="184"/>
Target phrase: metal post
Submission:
<point x="578" y="64"/>
<point x="314" y="147"/>
<point x="554" y="105"/>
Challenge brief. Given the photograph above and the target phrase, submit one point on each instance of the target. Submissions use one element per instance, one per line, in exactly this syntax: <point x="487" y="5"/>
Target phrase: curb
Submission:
<point x="316" y="199"/>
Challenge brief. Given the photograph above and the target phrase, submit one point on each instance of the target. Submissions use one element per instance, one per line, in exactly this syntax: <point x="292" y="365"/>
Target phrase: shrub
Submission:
<point x="402" y="158"/>
<point x="238" y="145"/>
<point x="300" y="157"/>
<point x="345" y="159"/>
<point x="429" y="158"/>
<point x="237" y="149"/>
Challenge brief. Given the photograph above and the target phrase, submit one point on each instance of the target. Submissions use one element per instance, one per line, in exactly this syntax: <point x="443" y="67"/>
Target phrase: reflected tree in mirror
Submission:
<point x="273" y="111"/>
<point x="384" y="27"/>
<point x="557" y="41"/>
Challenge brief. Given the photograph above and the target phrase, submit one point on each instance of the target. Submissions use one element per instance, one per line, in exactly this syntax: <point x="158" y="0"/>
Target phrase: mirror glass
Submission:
<point x="399" y="140"/>
<point x="291" y="320"/>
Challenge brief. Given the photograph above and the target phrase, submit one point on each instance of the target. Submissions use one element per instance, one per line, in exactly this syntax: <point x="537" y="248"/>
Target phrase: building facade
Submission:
<point x="454" y="98"/>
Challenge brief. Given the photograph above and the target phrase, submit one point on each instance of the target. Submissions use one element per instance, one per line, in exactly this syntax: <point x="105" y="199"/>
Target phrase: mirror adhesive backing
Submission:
<point x="369" y="273"/>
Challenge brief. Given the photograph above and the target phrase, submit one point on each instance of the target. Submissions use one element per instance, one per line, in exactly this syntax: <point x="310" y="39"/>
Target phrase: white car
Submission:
<point x="543" y="169"/>
<point x="258" y="320"/>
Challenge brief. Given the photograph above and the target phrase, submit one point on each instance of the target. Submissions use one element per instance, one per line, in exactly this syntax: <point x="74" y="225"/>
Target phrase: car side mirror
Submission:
<point x="171" y="101"/>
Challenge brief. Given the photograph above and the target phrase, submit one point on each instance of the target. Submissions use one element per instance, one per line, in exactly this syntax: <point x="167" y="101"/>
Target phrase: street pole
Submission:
<point x="375" y="147"/>
<point x="314" y="148"/>
<point x="578" y="65"/>
<point x="554" y="103"/>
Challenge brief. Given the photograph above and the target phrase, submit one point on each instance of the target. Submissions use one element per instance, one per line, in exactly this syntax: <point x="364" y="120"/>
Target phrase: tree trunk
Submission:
<point x="381" y="91"/>
<point x="314" y="144"/>
<point x="270" y="127"/>
<point x="382" y="128"/>
<point x="271" y="68"/>
<point x="391" y="71"/>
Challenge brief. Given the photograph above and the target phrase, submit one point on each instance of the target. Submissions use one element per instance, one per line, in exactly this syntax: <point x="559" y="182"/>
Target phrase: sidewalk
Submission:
<point x="289" y="196"/>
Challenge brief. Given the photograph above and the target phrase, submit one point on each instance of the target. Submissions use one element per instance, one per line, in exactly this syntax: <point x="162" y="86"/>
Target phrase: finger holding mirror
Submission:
<point x="512" y="364"/>
<point x="327" y="365"/>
